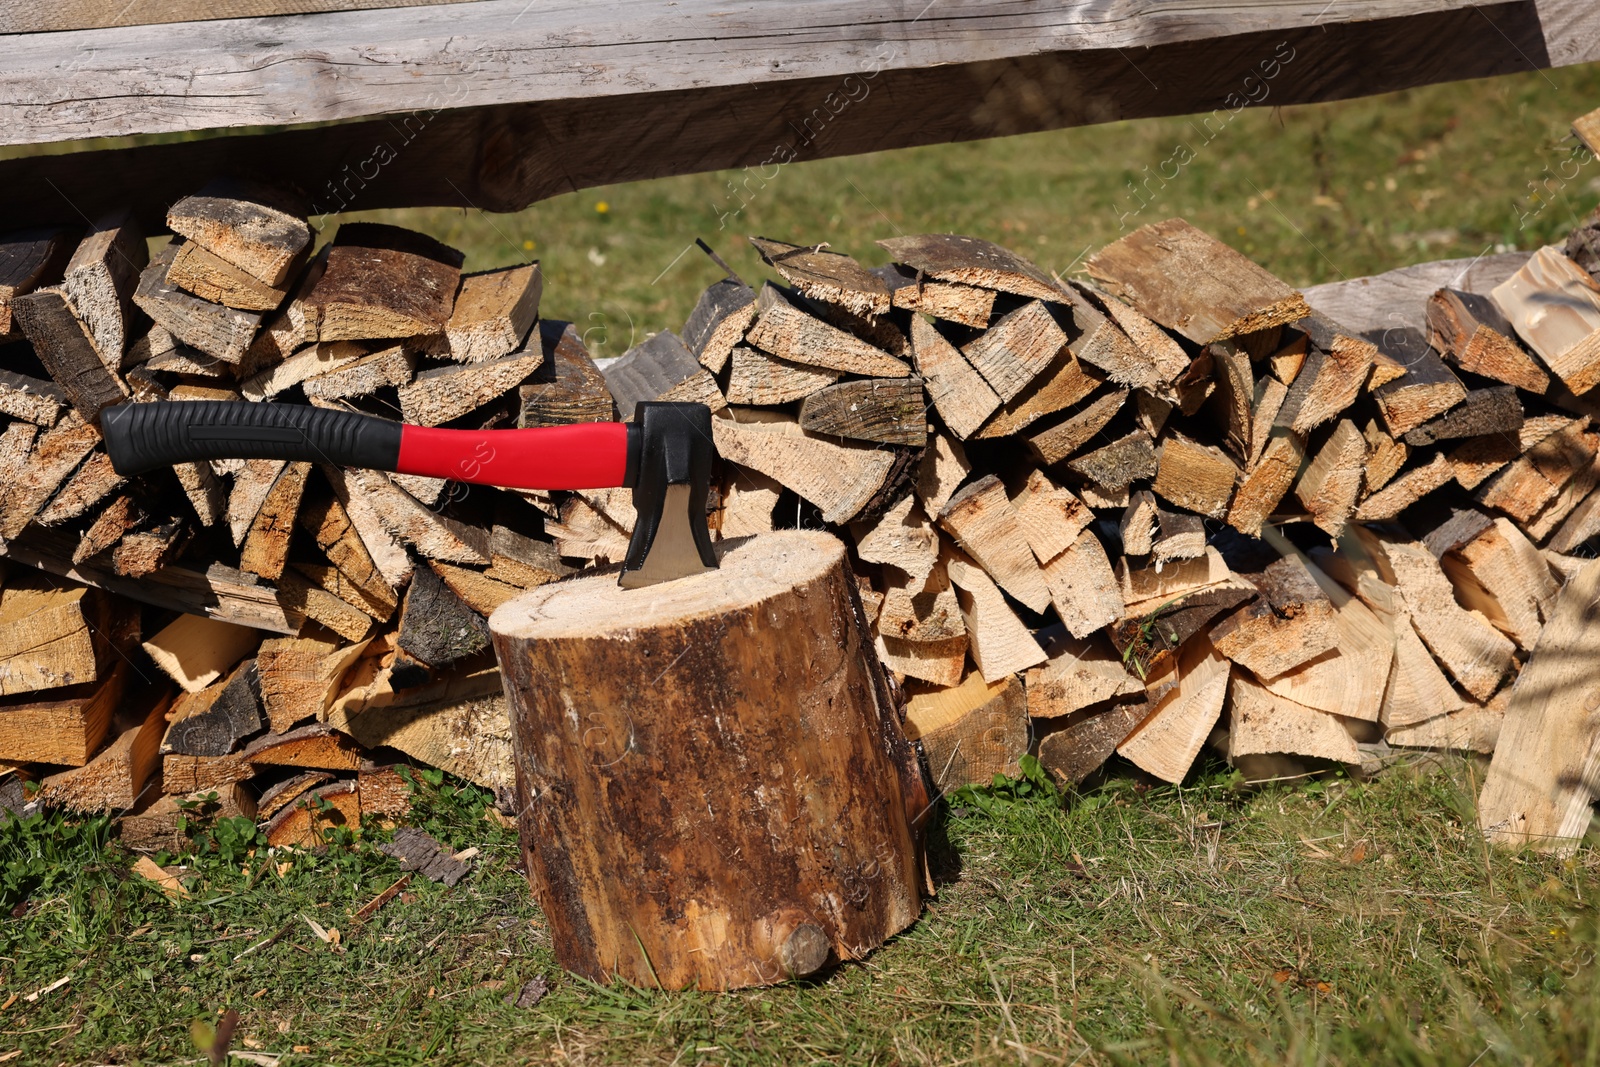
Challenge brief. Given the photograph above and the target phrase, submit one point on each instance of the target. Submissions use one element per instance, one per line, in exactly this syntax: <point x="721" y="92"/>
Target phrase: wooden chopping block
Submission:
<point x="714" y="787"/>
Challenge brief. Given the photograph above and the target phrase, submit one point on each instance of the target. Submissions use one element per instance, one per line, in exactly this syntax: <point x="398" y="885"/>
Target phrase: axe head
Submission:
<point x="670" y="451"/>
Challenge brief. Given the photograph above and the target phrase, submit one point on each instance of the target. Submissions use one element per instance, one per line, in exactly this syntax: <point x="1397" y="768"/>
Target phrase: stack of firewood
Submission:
<point x="1165" y="503"/>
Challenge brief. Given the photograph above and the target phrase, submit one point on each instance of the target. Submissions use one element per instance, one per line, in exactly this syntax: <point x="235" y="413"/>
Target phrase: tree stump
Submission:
<point x="714" y="787"/>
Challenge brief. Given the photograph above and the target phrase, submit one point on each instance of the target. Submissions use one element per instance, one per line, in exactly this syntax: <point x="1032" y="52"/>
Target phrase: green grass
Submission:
<point x="1330" y="922"/>
<point x="1323" y="922"/>
<point x="1315" y="193"/>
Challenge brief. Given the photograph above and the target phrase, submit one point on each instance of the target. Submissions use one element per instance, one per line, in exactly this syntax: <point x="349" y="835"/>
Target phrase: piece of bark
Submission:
<point x="981" y="519"/>
<point x="789" y="333"/>
<point x="1121" y="463"/>
<point x="1079" y="750"/>
<point x="1083" y="586"/>
<point x="840" y="479"/>
<point x="1500" y="575"/>
<point x="1476" y="460"/>
<point x="195" y="650"/>
<point x="970" y="732"/>
<point x="64" y="345"/>
<point x="1554" y="306"/>
<point x="1062" y="439"/>
<point x="660" y="368"/>
<point x="566" y="387"/>
<point x="326" y="519"/>
<point x="1483" y="411"/>
<point x="100" y="279"/>
<point x="1265" y="723"/>
<point x="962" y="397"/>
<point x="1293" y="621"/>
<point x="1350" y="678"/>
<point x="1331" y="482"/>
<point x="1410" y="487"/>
<point x="1542" y="779"/>
<point x="29" y="260"/>
<point x="888" y="410"/>
<point x="383" y="791"/>
<point x="437" y="628"/>
<point x="1167" y="741"/>
<point x="718" y="322"/>
<point x="31" y="399"/>
<point x="220" y="332"/>
<point x="1149" y="634"/>
<point x="214" y="721"/>
<point x="1428" y="390"/>
<point x="419" y="852"/>
<point x="944" y="467"/>
<point x="1017" y="348"/>
<point x="437" y="396"/>
<point x="266" y="545"/>
<point x="212" y="278"/>
<point x="1138" y="524"/>
<point x="117" y="777"/>
<point x="1193" y="284"/>
<point x="93" y="481"/>
<point x="1469" y="331"/>
<point x="1195" y="476"/>
<point x="63" y="726"/>
<point x="970" y="261"/>
<point x="493" y="312"/>
<point x="1474" y="653"/>
<point x="1335" y="369"/>
<point x="392" y="366"/>
<point x="300" y="676"/>
<point x="435" y="536"/>
<point x="951" y="301"/>
<point x="1000" y="644"/>
<point x="1183" y="536"/>
<point x="1417" y="689"/>
<point x="1051" y="516"/>
<point x="1062" y="383"/>
<point x="254" y="227"/>
<point x="825" y="275"/>
<point x="1077" y="674"/>
<point x="384" y="281"/>
<point x="305" y="823"/>
<point x="903" y="538"/>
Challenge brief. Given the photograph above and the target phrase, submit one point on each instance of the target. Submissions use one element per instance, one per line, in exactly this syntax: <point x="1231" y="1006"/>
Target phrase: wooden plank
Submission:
<point x="532" y="120"/>
<point x="1546" y="767"/>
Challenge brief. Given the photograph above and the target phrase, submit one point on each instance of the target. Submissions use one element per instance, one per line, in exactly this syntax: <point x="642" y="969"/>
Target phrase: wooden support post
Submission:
<point x="677" y="691"/>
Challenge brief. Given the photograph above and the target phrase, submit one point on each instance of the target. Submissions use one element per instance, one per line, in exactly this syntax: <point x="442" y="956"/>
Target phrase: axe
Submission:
<point x="664" y="455"/>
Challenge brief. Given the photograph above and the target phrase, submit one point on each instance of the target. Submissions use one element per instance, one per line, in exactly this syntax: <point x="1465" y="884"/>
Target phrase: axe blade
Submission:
<point x="669" y="471"/>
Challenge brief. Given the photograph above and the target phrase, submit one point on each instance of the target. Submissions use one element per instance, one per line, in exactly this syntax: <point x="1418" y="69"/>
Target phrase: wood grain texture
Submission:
<point x="499" y="119"/>
<point x="800" y="693"/>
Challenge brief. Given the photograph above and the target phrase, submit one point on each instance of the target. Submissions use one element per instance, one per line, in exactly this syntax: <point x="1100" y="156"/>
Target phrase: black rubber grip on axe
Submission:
<point x="144" y="437"/>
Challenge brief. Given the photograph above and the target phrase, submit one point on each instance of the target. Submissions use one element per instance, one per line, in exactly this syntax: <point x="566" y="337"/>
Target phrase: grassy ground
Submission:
<point x="1331" y="922"/>
<point x="1302" y="923"/>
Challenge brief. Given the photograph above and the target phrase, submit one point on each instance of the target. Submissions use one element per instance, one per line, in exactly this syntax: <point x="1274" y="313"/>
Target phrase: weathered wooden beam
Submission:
<point x="500" y="119"/>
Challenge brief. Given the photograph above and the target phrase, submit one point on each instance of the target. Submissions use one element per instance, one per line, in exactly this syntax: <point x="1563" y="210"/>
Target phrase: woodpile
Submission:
<point x="1164" y="504"/>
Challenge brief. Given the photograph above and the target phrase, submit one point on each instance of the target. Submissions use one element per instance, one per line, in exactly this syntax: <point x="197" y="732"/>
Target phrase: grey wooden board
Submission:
<point x="496" y="104"/>
<point x="42" y="16"/>
<point x="1397" y="300"/>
